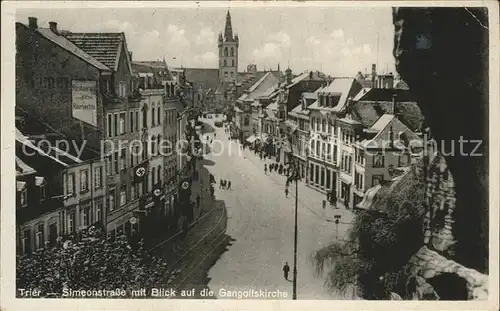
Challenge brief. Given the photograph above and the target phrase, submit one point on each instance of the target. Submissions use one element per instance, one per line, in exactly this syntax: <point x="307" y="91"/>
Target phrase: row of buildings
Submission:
<point x="89" y="122"/>
<point x="345" y="134"/>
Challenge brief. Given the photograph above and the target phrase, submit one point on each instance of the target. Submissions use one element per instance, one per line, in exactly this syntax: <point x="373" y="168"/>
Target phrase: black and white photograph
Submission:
<point x="249" y="151"/>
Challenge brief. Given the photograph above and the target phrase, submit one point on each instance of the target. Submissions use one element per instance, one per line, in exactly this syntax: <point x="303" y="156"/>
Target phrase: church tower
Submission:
<point x="228" y="52"/>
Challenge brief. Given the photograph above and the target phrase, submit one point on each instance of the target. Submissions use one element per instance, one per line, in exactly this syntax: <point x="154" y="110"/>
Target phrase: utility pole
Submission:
<point x="296" y="229"/>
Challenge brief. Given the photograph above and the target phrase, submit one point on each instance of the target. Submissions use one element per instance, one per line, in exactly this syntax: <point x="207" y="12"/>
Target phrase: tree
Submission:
<point x="86" y="261"/>
<point x="372" y="261"/>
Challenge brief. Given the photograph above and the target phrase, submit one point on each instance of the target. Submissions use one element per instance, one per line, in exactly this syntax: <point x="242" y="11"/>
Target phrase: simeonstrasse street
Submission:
<point x="261" y="220"/>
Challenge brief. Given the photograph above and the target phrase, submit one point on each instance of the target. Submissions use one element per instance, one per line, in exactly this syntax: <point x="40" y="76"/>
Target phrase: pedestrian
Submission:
<point x="265" y="169"/>
<point x="221" y="183"/>
<point x="286" y="269"/>
<point x="285" y="170"/>
<point x="228" y="185"/>
<point x="286" y="192"/>
<point x="215" y="135"/>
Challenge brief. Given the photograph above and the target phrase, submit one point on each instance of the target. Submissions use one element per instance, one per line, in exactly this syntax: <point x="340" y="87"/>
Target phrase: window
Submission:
<point x="136" y="121"/>
<point x="131" y="122"/>
<point x="358" y="180"/>
<point x="360" y="157"/>
<point x="111" y="200"/>
<point x="158" y="115"/>
<point x="123" y="116"/>
<point x="232" y="51"/>
<point x="71" y="221"/>
<point x="42" y="192"/>
<point x="70" y="184"/>
<point x="115" y="125"/>
<point x="24" y="197"/>
<point x="376" y="179"/>
<point x="311" y="178"/>
<point x="26" y="241"/>
<point x="98" y="212"/>
<point x="232" y="62"/>
<point x="328" y="178"/>
<point x="108" y="165"/>
<point x="159" y="174"/>
<point x="86" y="221"/>
<point x="84" y="180"/>
<point x="318" y="148"/>
<point x="133" y="191"/>
<point x="115" y="162"/>
<point x="98" y="177"/>
<point x="122" y="89"/>
<point x="123" y="159"/>
<point x="313" y="123"/>
<point x="153" y="116"/>
<point x="403" y="160"/>
<point x="123" y="195"/>
<point x="378" y="160"/>
<point x="225" y="51"/>
<point x="40" y="236"/>
<point x="110" y="125"/>
<point x="323" y="125"/>
<point x="144" y="117"/>
<point x="316" y="174"/>
<point x="247" y="120"/>
<point x="153" y="175"/>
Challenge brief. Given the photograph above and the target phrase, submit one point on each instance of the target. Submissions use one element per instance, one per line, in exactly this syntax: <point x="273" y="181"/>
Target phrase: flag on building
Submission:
<point x="140" y="172"/>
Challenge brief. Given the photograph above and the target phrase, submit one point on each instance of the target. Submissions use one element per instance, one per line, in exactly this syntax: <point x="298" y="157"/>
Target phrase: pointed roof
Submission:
<point x="68" y="46"/>
<point x="106" y="47"/>
<point x="228" y="29"/>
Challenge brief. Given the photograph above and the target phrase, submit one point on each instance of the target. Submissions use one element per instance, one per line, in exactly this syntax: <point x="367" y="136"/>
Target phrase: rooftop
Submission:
<point x="106" y="47"/>
<point x="62" y="42"/>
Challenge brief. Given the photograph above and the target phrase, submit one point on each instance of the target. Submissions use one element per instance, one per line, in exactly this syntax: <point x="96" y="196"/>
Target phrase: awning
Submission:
<point x="367" y="201"/>
<point x="251" y="139"/>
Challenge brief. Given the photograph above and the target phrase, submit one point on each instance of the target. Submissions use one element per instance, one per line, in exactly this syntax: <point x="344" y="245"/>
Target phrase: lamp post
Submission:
<point x="295" y="172"/>
<point x="294" y="176"/>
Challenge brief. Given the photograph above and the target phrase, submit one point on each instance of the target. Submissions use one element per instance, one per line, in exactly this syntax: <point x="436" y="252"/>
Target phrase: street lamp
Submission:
<point x="294" y="175"/>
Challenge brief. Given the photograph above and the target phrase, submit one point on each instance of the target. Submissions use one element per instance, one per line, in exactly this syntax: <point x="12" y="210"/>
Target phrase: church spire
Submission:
<point x="228" y="32"/>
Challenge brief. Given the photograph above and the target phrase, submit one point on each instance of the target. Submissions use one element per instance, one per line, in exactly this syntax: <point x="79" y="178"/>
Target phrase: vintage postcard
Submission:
<point x="250" y="155"/>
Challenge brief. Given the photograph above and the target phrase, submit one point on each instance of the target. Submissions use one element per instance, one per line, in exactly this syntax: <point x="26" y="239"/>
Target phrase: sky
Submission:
<point x="338" y="41"/>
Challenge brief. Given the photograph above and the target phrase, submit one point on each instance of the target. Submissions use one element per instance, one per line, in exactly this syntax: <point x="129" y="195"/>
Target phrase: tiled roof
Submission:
<point x="263" y="87"/>
<point x="106" y="47"/>
<point x="70" y="47"/>
<point x="368" y="112"/>
<point x="384" y="125"/>
<point x="344" y="86"/>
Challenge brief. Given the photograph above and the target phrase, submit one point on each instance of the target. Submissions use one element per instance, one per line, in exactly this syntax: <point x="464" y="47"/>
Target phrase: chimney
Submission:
<point x="310" y="75"/>
<point x="33" y="22"/>
<point x="53" y="27"/>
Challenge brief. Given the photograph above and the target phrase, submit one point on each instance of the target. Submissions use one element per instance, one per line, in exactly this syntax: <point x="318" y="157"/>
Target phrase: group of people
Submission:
<point x="282" y="170"/>
<point x="225" y="184"/>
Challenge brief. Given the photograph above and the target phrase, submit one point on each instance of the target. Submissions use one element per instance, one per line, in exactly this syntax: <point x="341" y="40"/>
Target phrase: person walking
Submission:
<point x="215" y="135"/>
<point x="286" y="192"/>
<point x="265" y="169"/>
<point x="220" y="183"/>
<point x="228" y="185"/>
<point x="286" y="269"/>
